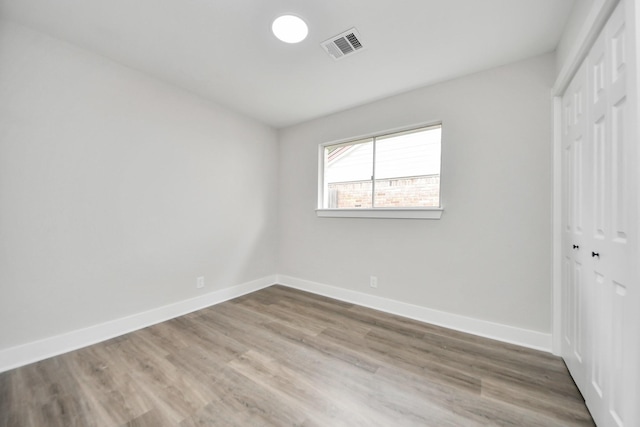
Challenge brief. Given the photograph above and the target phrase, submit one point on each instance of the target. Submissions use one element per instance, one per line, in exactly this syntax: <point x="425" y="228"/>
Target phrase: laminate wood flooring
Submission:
<point x="282" y="357"/>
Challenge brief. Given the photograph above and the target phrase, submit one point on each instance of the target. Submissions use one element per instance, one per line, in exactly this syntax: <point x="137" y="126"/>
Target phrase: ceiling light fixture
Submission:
<point x="290" y="29"/>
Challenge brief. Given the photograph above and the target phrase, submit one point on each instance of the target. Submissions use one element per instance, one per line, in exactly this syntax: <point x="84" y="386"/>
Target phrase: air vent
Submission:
<point x="343" y="44"/>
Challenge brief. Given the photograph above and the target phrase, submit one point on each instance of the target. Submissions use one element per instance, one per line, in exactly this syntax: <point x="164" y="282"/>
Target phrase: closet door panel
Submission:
<point x="574" y="225"/>
<point x="622" y="239"/>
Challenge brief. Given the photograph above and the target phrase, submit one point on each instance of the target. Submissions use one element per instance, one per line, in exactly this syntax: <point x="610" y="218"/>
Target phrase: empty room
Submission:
<point x="319" y="213"/>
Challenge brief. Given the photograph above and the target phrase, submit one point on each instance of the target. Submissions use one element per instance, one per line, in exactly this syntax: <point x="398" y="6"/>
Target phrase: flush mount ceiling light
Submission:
<point x="290" y="29"/>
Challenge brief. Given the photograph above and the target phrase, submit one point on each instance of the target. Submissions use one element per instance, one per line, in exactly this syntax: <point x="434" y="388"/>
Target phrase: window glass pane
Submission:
<point x="407" y="169"/>
<point x="347" y="175"/>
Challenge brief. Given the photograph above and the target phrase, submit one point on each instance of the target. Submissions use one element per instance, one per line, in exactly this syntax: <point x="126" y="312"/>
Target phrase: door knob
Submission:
<point x="595" y="254"/>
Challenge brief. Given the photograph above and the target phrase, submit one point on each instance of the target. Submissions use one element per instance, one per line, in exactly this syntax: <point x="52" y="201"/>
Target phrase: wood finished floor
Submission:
<point x="282" y="357"/>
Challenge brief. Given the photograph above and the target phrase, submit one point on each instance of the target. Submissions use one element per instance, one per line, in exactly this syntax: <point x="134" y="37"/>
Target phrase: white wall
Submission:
<point x="489" y="256"/>
<point x="117" y="191"/>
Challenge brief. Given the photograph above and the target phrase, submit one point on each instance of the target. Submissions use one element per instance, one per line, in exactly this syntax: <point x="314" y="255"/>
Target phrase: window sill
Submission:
<point x="406" y="213"/>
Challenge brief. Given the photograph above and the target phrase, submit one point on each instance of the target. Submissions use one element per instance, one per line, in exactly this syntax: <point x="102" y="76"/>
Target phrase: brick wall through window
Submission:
<point x="417" y="191"/>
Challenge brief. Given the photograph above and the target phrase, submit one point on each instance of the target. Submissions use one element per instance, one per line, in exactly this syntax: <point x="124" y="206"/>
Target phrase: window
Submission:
<point x="389" y="175"/>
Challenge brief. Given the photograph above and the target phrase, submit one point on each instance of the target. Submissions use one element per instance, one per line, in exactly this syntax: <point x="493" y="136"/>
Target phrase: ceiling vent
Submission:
<point x="343" y="44"/>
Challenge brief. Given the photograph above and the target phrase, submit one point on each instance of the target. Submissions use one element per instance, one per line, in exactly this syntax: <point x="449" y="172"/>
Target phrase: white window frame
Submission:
<point x="401" y="213"/>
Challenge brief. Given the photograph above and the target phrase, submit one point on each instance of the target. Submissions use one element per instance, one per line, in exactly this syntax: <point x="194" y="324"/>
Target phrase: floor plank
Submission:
<point x="284" y="357"/>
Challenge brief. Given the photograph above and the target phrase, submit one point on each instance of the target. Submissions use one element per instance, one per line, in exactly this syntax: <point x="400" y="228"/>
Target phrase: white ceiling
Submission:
<point x="223" y="50"/>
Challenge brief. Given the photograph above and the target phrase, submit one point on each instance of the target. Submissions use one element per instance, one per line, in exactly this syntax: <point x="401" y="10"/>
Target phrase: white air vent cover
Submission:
<point x="343" y="44"/>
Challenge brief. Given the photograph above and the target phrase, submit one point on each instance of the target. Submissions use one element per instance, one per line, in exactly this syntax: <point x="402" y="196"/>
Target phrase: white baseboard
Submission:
<point x="21" y="355"/>
<point x="523" y="337"/>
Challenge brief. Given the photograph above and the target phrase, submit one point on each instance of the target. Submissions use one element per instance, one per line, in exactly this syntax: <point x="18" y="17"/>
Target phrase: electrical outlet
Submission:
<point x="373" y="281"/>
<point x="200" y="282"/>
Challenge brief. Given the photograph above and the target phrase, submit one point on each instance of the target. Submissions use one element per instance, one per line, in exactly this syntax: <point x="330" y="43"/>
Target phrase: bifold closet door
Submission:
<point x="574" y="157"/>
<point x="599" y="333"/>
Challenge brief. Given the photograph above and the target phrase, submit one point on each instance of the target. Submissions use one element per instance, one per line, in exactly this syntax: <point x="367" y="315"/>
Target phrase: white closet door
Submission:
<point x="574" y="337"/>
<point x="613" y="236"/>
<point x="600" y="235"/>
